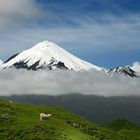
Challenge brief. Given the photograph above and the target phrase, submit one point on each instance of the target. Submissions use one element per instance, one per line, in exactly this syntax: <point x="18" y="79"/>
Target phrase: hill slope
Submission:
<point x="22" y="122"/>
<point x="112" y="107"/>
<point x="125" y="128"/>
<point x="120" y="124"/>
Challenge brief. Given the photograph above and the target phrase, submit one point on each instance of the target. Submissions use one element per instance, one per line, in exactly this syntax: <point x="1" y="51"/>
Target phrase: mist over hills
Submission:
<point x="100" y="82"/>
<point x="107" y="93"/>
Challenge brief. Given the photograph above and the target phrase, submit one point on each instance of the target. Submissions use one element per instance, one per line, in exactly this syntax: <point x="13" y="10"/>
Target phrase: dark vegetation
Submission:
<point x="21" y="122"/>
<point x="97" y="109"/>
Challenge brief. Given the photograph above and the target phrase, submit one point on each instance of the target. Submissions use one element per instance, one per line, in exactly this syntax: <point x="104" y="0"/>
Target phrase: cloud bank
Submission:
<point x="15" y="12"/>
<point x="60" y="82"/>
<point x="136" y="66"/>
<point x="1" y="62"/>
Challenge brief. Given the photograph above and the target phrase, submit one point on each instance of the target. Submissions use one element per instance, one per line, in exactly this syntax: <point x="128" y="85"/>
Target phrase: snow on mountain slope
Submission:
<point x="136" y="67"/>
<point x="48" y="55"/>
<point x="126" y="70"/>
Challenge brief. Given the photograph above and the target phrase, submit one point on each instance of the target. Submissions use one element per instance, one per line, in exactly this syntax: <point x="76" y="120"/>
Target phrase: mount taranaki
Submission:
<point x="48" y="55"/>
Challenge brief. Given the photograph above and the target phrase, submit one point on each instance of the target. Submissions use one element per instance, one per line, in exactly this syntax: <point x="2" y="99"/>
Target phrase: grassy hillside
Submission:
<point x="111" y="108"/>
<point x="21" y="122"/>
<point x="120" y="124"/>
<point x="125" y="128"/>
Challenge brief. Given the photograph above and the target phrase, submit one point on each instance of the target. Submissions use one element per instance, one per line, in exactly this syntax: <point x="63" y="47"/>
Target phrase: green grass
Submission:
<point x="120" y="124"/>
<point x="23" y="124"/>
<point x="126" y="129"/>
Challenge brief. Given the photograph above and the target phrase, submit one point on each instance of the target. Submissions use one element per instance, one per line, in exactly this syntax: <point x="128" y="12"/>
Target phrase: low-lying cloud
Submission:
<point x="136" y="66"/>
<point x="66" y="82"/>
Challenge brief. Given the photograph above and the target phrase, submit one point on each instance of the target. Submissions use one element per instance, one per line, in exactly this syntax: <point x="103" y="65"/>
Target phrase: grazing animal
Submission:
<point x="44" y="116"/>
<point x="11" y="102"/>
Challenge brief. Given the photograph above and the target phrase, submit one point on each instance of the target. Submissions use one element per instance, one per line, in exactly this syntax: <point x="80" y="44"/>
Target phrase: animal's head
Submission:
<point x="49" y="115"/>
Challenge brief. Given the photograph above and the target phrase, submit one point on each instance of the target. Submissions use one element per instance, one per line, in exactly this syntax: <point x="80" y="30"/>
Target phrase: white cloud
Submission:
<point x="136" y="66"/>
<point x="14" y="12"/>
<point x="105" y="33"/>
<point x="66" y="82"/>
<point x="88" y="38"/>
<point x="1" y="62"/>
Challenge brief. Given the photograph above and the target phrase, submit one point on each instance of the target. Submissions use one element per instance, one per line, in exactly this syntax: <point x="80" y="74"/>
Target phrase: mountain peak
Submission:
<point x="48" y="55"/>
<point x="125" y="70"/>
<point x="45" y="44"/>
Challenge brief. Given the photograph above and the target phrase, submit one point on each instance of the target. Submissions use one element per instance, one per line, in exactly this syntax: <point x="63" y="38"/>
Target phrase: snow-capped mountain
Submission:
<point x="126" y="70"/>
<point x="47" y="55"/>
<point x="132" y="71"/>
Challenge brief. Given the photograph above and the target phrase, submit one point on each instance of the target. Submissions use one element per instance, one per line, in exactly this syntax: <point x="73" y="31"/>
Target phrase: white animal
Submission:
<point x="11" y="102"/>
<point x="44" y="116"/>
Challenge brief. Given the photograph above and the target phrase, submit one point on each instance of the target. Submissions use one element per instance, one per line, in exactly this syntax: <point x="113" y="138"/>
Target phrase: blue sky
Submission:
<point x="103" y="32"/>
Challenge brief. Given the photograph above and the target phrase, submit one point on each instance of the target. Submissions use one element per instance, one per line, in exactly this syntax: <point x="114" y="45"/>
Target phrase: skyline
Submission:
<point x="105" y="33"/>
